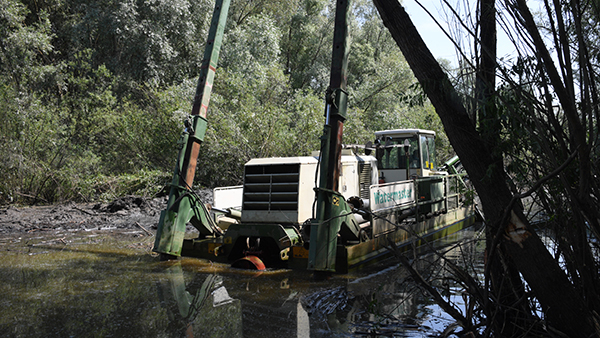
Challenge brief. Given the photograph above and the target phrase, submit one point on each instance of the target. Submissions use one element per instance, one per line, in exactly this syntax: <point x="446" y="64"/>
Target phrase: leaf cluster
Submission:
<point x="95" y="91"/>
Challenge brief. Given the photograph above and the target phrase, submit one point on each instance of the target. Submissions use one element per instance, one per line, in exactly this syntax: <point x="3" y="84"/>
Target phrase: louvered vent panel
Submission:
<point x="364" y="179"/>
<point x="271" y="187"/>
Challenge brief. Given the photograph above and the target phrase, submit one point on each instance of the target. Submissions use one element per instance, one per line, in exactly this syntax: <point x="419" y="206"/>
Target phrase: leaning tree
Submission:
<point x="543" y="116"/>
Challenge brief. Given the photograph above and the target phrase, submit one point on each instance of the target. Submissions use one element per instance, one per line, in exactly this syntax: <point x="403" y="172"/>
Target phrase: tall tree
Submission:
<point x="513" y="239"/>
<point x="504" y="279"/>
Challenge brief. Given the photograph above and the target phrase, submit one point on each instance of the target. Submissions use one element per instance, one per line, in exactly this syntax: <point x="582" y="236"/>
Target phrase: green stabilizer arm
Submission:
<point x="450" y="164"/>
<point x="172" y="222"/>
<point x="324" y="232"/>
<point x="333" y="216"/>
<point x="451" y="167"/>
<point x="183" y="205"/>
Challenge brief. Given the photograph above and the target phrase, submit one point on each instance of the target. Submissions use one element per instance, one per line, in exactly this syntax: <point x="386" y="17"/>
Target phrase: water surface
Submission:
<point x="86" y="284"/>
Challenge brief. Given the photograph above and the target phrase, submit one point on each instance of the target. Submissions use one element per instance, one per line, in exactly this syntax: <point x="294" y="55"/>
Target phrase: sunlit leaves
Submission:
<point x="250" y="48"/>
<point x="99" y="88"/>
<point x="23" y="47"/>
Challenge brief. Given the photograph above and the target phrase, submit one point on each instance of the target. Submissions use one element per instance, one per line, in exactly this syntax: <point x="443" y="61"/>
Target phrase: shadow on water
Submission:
<point x="114" y="287"/>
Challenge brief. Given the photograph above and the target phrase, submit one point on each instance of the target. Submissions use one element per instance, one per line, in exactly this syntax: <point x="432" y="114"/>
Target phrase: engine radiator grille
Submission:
<point x="271" y="187"/>
<point x="364" y="179"/>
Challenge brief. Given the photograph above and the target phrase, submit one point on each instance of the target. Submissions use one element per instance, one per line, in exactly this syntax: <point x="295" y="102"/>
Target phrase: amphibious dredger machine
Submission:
<point x="330" y="212"/>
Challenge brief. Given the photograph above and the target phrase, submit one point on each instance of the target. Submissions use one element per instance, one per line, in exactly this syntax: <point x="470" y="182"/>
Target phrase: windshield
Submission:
<point x="393" y="156"/>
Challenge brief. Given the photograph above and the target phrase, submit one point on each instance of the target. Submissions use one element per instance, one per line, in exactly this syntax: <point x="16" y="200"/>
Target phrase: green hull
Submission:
<point x="278" y="251"/>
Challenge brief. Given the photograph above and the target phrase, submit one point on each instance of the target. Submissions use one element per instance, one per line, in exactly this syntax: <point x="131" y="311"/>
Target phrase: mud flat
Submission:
<point x="124" y="213"/>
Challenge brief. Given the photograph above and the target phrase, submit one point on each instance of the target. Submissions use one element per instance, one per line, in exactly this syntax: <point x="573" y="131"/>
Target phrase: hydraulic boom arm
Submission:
<point x="184" y="206"/>
<point x="333" y="214"/>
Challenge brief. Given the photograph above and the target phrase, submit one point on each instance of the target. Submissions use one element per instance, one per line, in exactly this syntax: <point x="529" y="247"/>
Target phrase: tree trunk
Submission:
<point x="503" y="277"/>
<point x="563" y="307"/>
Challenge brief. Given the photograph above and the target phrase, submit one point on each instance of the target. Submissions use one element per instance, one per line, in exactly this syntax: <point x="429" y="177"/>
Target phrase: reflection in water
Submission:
<point x="113" y="287"/>
<point x="192" y="316"/>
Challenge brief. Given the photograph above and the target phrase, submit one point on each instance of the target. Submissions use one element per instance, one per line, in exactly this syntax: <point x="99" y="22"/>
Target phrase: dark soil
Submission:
<point x="128" y="212"/>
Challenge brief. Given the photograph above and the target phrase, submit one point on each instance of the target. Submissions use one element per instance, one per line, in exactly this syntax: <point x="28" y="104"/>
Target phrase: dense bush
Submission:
<point x="94" y="94"/>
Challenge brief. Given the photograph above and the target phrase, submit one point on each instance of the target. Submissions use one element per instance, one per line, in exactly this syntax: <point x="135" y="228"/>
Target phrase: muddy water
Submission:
<point x="85" y="284"/>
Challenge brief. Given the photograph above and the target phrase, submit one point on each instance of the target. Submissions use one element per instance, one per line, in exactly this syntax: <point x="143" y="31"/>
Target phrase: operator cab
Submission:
<point x="399" y="149"/>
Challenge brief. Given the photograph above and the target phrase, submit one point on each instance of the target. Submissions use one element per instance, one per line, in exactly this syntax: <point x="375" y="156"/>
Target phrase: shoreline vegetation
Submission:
<point x="94" y="96"/>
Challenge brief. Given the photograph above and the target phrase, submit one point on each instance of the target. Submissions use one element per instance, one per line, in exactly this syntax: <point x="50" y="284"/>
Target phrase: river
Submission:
<point x="100" y="284"/>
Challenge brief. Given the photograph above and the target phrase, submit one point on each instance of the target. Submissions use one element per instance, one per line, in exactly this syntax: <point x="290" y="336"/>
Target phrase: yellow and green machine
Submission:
<point x="284" y="216"/>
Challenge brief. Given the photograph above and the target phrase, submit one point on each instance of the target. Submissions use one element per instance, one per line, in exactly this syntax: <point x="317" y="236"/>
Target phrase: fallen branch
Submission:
<point x="447" y="307"/>
<point x="85" y="212"/>
<point x="35" y="198"/>
<point x="148" y="232"/>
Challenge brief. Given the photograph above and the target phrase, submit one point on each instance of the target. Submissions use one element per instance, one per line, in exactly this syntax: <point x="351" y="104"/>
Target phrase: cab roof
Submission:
<point x="404" y="132"/>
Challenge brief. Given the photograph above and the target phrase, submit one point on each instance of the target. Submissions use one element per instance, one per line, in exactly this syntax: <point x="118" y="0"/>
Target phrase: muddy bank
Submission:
<point x="128" y="212"/>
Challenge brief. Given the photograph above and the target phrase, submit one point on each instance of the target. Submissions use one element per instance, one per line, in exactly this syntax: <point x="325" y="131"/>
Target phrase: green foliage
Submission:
<point x="147" y="183"/>
<point x="23" y="47"/>
<point x="94" y="93"/>
<point x="258" y="117"/>
<point x="308" y="62"/>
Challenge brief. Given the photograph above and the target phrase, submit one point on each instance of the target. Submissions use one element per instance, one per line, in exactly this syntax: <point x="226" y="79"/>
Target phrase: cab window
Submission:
<point x="428" y="152"/>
